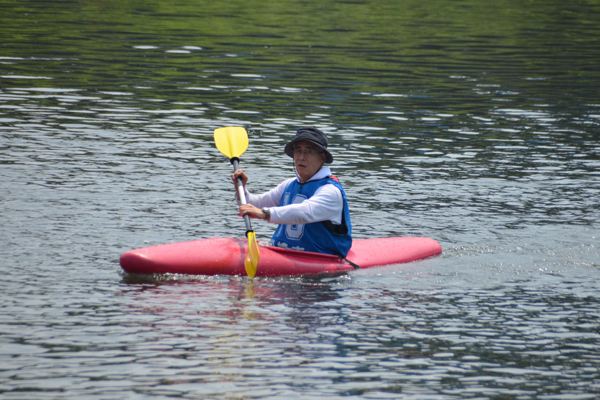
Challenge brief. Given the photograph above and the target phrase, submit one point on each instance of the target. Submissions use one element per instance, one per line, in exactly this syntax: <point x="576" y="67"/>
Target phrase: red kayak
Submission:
<point x="225" y="256"/>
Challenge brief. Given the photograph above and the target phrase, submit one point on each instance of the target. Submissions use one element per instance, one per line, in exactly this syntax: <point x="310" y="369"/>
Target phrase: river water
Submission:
<point x="473" y="123"/>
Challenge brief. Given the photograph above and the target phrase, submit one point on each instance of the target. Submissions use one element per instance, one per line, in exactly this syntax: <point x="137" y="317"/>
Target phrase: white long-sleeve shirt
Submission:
<point x="326" y="204"/>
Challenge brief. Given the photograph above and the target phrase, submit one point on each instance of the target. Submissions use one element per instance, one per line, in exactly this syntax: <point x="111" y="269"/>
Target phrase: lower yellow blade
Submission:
<point x="252" y="256"/>
<point x="231" y="141"/>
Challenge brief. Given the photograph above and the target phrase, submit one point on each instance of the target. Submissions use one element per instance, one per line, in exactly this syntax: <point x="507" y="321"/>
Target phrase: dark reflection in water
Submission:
<point x="474" y="123"/>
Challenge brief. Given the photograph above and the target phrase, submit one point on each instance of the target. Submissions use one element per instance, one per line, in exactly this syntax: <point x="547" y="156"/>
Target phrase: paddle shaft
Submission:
<point x="241" y="193"/>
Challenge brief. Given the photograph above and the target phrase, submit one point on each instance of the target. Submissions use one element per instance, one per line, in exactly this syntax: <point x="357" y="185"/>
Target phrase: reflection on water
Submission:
<point x="208" y="337"/>
<point x="473" y="123"/>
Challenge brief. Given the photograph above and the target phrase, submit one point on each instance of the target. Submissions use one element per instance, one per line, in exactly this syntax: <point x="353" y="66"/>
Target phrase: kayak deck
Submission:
<point x="225" y="256"/>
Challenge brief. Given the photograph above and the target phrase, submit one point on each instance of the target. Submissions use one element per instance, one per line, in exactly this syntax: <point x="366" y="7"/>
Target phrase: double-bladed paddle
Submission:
<point x="233" y="142"/>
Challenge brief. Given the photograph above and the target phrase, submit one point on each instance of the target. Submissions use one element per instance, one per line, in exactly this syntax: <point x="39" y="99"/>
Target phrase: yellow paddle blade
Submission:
<point x="252" y="256"/>
<point x="231" y="141"/>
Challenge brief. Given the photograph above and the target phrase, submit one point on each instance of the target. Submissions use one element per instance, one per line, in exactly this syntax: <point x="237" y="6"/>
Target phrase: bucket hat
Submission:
<point x="313" y="135"/>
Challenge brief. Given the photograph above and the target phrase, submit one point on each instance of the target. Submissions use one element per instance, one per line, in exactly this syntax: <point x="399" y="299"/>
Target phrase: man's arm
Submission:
<point x="326" y="204"/>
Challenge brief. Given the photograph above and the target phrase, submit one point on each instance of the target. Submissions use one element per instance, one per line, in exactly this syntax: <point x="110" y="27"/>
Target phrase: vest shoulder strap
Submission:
<point x="338" y="229"/>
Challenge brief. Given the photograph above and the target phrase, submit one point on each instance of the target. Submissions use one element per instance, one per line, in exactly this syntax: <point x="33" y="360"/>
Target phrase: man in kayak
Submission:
<point x="310" y="209"/>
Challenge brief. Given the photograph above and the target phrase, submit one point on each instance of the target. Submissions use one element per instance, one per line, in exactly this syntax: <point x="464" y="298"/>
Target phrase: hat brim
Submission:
<point x="289" y="149"/>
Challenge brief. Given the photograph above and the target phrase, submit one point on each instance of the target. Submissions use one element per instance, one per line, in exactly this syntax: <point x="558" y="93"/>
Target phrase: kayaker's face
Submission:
<point x="307" y="159"/>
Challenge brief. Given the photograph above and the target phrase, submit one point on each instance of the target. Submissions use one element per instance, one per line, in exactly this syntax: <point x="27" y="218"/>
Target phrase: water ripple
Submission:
<point x="481" y="135"/>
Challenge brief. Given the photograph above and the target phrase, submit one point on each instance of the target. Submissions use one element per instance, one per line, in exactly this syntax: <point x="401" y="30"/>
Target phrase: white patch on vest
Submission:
<point x="296" y="231"/>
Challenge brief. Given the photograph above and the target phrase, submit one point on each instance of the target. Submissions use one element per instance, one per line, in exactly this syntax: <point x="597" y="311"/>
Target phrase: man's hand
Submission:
<point x="239" y="174"/>
<point x="251" y="211"/>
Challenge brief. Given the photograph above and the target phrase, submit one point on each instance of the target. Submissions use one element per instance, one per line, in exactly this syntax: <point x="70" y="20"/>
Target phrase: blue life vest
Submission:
<point x="320" y="237"/>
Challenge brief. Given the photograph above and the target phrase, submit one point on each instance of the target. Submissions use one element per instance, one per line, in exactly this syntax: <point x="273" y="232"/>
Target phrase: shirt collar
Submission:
<point x="324" y="172"/>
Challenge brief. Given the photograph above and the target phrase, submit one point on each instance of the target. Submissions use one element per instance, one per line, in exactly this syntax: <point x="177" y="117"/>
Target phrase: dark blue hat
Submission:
<point x="312" y="135"/>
